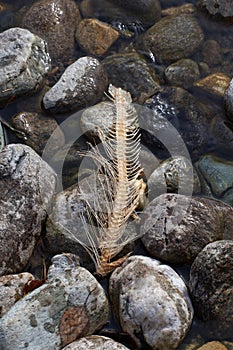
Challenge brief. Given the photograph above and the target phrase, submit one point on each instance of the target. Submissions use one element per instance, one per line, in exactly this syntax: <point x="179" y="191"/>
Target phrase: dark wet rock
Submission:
<point x="211" y="281"/>
<point x="175" y="228"/>
<point x="36" y="129"/>
<point x="228" y="100"/>
<point x="178" y="10"/>
<point x="95" y="37"/>
<point x="222" y="135"/>
<point x="176" y="121"/>
<point x="182" y="73"/>
<point x="149" y="296"/>
<point x="216" y="175"/>
<point x="215" y="84"/>
<point x="6" y="16"/>
<point x="81" y="85"/>
<point x="216" y="7"/>
<point x="71" y="304"/>
<point x="211" y="52"/>
<point x="173" y="38"/>
<point x="143" y="13"/>
<point x="131" y="72"/>
<point x="27" y="185"/>
<point x="95" y="342"/>
<point x="55" y="21"/>
<point x="11" y="290"/>
<point x="24" y="62"/>
<point x="175" y="175"/>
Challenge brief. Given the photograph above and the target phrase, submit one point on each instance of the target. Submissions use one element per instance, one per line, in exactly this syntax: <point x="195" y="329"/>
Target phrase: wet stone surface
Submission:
<point x="182" y="73"/>
<point x="95" y="342"/>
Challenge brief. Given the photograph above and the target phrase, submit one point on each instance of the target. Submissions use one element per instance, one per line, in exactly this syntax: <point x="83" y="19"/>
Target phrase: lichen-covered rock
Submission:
<point x="131" y="72"/>
<point x="81" y="85"/>
<point x="36" y="129"/>
<point x="217" y="7"/>
<point x="11" y="290"/>
<point x="27" y="185"/>
<point x="182" y="73"/>
<point x="175" y="228"/>
<point x="24" y="62"/>
<point x="140" y="12"/>
<point x="151" y="303"/>
<point x="95" y="37"/>
<point x="55" y="21"/>
<point x="95" y="342"/>
<point x="70" y="305"/>
<point x="175" y="175"/>
<point x="216" y="176"/>
<point x="211" y="286"/>
<point x="173" y="38"/>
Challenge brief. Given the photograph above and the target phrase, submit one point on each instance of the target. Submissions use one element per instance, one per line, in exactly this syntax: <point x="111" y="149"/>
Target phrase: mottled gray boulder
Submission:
<point x="141" y="12"/>
<point x="36" y="129"/>
<point x="175" y="228"/>
<point x="211" y="286"/>
<point x="24" y="62"/>
<point x="27" y="185"/>
<point x="217" y="7"/>
<point x="216" y="176"/>
<point x="11" y="290"/>
<point x="55" y="21"/>
<point x="173" y="37"/>
<point x="182" y="73"/>
<point x="95" y="342"/>
<point x="175" y="175"/>
<point x="82" y="84"/>
<point x="131" y="72"/>
<point x="71" y="304"/>
<point x="151" y="303"/>
<point x="228" y="100"/>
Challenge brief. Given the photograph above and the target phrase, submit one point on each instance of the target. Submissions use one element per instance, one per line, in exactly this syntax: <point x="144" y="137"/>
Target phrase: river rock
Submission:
<point x="95" y="342"/>
<point x="27" y="185"/>
<point x="142" y="13"/>
<point x="131" y="72"/>
<point x="214" y="84"/>
<point x="95" y="37"/>
<point x="71" y="304"/>
<point x="174" y="175"/>
<point x="211" y="52"/>
<point x="24" y="62"/>
<point x="173" y="127"/>
<point x="11" y="290"/>
<point x="55" y="21"/>
<point x="182" y="73"/>
<point x="178" y="10"/>
<point x="36" y="129"/>
<point x="216" y="7"/>
<point x="213" y="345"/>
<point x="151" y="303"/>
<point x="173" y="38"/>
<point x="211" y="286"/>
<point x="175" y="228"/>
<point x="216" y="175"/>
<point x="81" y="85"/>
<point x="228" y="100"/>
<point x="222" y="135"/>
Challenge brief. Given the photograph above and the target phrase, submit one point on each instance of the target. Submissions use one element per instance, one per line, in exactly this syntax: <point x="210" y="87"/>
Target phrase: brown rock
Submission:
<point x="213" y="345"/>
<point x="95" y="37"/>
<point x="177" y="10"/>
<point x="211" y="52"/>
<point x="214" y="84"/>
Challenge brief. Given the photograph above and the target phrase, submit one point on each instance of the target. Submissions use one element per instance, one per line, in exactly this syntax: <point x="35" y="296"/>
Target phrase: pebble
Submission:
<point x="81" y="85"/>
<point x="177" y="10"/>
<point x="182" y="73"/>
<point x="211" y="287"/>
<point x="215" y="7"/>
<point x="216" y="175"/>
<point x="95" y="37"/>
<point x="213" y="345"/>
<point x="27" y="185"/>
<point x="131" y="72"/>
<point x="11" y="290"/>
<point x="37" y="130"/>
<point x="214" y="84"/>
<point x="95" y="342"/>
<point x="222" y="136"/>
<point x="24" y="63"/>
<point x="55" y="21"/>
<point x="151" y="303"/>
<point x="175" y="228"/>
<point x="70" y="304"/>
<point x="143" y="13"/>
<point x="173" y="37"/>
